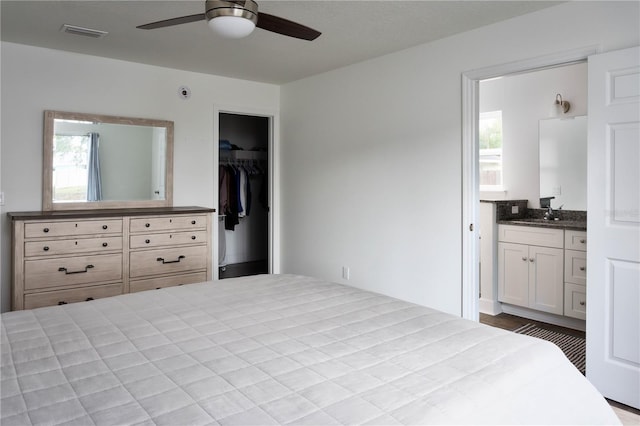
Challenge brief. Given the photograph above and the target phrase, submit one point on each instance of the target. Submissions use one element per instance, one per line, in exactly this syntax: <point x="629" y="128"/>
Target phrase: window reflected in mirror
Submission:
<point x="101" y="161"/>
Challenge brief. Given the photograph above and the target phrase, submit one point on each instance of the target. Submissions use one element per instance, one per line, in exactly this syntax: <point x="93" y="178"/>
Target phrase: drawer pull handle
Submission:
<point x="160" y="259"/>
<point x="45" y="230"/>
<point x="582" y="268"/>
<point x="66" y="272"/>
<point x="104" y="244"/>
<point x="45" y="248"/>
<point x="583" y="241"/>
<point x="193" y="237"/>
<point x="146" y="225"/>
<point x="89" y="299"/>
<point x="531" y="259"/>
<point x="104" y="226"/>
<point x="193" y="222"/>
<point x="583" y="303"/>
<point x="524" y="258"/>
<point x="147" y="241"/>
<point x="62" y="302"/>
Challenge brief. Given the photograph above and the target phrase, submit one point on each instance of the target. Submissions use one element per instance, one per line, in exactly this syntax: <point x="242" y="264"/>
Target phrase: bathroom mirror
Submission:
<point x="98" y="161"/>
<point x="563" y="162"/>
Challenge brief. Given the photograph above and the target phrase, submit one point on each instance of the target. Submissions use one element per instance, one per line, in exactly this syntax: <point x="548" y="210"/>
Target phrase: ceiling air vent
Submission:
<point x="87" y="32"/>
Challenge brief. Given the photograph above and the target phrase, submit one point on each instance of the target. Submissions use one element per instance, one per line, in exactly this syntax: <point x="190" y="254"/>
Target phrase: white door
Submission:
<point x="613" y="227"/>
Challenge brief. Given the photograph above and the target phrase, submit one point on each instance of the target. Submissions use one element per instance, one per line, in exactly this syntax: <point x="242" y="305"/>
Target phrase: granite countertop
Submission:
<point x="578" y="225"/>
<point x="517" y="212"/>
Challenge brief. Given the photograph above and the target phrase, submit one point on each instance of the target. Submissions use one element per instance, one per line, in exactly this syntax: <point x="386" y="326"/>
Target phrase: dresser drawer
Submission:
<point x="167" y="261"/>
<point x="62" y="297"/>
<point x="72" y="228"/>
<point x="72" y="271"/>
<point x="575" y="267"/>
<point x="168" y="223"/>
<point x="575" y="301"/>
<point x="82" y="245"/>
<point x="162" y="282"/>
<point x="531" y="235"/>
<point x="167" y="239"/>
<point x="575" y="240"/>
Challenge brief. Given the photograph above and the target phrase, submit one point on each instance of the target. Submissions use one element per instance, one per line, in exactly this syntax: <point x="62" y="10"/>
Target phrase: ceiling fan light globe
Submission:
<point x="232" y="26"/>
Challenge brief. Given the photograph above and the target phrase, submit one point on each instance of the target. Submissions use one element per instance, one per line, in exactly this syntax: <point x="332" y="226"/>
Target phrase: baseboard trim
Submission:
<point x="490" y="307"/>
<point x="531" y="314"/>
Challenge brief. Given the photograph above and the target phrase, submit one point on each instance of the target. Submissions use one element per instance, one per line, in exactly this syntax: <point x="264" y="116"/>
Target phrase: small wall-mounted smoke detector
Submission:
<point x="87" y="32"/>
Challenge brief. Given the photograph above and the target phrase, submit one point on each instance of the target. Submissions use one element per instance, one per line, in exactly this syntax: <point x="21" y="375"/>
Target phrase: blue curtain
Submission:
<point x="94" y="186"/>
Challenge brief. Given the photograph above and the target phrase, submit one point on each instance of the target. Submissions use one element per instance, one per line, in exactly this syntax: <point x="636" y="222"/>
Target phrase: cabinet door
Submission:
<point x="546" y="279"/>
<point x="513" y="273"/>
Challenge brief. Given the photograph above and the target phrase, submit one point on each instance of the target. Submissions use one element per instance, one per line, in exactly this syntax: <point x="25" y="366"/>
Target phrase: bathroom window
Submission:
<point x="490" y="135"/>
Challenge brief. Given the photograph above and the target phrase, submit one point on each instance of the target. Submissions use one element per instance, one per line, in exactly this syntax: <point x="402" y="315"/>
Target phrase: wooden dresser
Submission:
<point x="63" y="257"/>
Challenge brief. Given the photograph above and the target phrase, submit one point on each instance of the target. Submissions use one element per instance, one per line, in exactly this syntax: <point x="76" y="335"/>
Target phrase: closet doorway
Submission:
<point x="244" y="196"/>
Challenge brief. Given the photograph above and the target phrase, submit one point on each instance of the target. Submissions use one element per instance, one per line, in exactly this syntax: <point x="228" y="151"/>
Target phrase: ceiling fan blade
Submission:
<point x="285" y="27"/>
<point x="173" y="21"/>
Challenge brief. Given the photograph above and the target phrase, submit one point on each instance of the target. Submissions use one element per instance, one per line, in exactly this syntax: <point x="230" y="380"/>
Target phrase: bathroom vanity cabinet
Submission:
<point x="575" y="274"/>
<point x="531" y="267"/>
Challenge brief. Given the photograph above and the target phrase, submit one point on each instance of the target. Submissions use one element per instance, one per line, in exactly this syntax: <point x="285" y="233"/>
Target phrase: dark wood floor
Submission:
<point x="512" y="322"/>
<point x="244" y="269"/>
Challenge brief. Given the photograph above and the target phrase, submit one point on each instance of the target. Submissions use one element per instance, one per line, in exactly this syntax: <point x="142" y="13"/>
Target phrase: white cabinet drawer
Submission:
<point x="81" y="245"/>
<point x="162" y="282"/>
<point x="168" y="223"/>
<point x="575" y="267"/>
<point x="62" y="297"/>
<point x="575" y="240"/>
<point x="167" y="239"/>
<point x="575" y="301"/>
<point x="531" y="235"/>
<point x="72" y="228"/>
<point x="72" y="271"/>
<point x="167" y="261"/>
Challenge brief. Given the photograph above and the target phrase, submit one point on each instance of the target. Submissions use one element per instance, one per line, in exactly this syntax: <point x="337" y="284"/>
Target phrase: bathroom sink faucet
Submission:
<point x="549" y="215"/>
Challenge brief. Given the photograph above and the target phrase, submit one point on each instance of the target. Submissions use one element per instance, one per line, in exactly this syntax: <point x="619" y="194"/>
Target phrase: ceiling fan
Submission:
<point x="238" y="18"/>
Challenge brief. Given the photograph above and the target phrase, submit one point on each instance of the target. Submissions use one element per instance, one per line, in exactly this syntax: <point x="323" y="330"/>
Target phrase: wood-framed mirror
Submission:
<point x="93" y="161"/>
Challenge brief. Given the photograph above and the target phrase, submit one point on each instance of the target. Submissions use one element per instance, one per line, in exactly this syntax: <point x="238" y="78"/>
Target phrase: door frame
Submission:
<point x="470" y="161"/>
<point x="274" y="180"/>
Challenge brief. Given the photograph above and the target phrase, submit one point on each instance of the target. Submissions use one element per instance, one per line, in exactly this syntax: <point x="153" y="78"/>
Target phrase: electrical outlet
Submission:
<point x="514" y="209"/>
<point x="346" y="273"/>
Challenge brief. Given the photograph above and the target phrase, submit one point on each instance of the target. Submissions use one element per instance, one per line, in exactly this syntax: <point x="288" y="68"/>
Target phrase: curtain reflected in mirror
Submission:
<point x="97" y="161"/>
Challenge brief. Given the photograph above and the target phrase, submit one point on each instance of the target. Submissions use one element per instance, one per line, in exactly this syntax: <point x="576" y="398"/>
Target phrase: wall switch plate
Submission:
<point x="514" y="209"/>
<point x="2" y="198"/>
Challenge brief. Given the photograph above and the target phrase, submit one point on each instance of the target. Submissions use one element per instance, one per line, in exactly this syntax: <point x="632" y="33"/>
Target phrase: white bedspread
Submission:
<point x="277" y="349"/>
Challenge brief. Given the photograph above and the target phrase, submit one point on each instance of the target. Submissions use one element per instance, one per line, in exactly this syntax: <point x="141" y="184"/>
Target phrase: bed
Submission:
<point x="279" y="349"/>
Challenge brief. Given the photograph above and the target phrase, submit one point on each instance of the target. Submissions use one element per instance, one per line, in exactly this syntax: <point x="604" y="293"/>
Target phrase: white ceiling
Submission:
<point x="352" y="31"/>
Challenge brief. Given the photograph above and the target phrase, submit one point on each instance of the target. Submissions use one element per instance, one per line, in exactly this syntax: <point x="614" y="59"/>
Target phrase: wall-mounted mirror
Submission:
<point x="99" y="161"/>
<point x="563" y="162"/>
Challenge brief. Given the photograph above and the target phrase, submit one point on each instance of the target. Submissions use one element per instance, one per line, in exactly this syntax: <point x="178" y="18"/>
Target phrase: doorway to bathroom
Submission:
<point x="471" y="83"/>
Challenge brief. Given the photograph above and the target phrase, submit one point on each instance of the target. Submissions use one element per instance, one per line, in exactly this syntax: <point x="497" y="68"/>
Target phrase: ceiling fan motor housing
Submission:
<point x="247" y="9"/>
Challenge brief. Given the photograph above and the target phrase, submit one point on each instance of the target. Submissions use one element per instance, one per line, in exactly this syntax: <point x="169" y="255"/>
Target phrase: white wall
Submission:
<point x="524" y="100"/>
<point x="35" y="79"/>
<point x="371" y="153"/>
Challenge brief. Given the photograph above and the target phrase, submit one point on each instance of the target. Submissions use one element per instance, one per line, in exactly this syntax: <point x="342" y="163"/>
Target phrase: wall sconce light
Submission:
<point x="560" y="107"/>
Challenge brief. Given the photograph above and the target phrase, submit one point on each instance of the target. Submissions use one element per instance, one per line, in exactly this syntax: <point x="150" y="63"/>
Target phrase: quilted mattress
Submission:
<point x="279" y="349"/>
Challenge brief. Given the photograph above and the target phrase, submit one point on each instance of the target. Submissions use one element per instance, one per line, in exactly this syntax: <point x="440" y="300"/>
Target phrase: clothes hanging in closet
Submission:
<point x="234" y="193"/>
